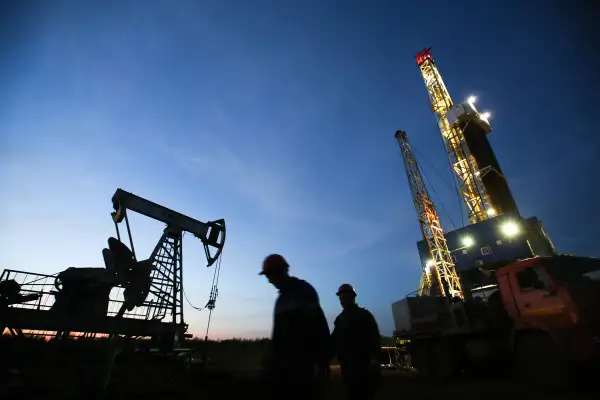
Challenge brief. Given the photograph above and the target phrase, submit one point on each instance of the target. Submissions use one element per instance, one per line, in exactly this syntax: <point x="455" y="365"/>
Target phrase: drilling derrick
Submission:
<point x="443" y="274"/>
<point x="463" y="163"/>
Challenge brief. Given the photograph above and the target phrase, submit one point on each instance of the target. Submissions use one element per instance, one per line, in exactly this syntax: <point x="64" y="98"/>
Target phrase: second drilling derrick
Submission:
<point x="444" y="273"/>
<point x="463" y="164"/>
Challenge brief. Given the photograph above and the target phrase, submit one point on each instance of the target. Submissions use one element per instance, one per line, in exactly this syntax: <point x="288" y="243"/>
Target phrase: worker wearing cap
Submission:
<point x="300" y="338"/>
<point x="357" y="345"/>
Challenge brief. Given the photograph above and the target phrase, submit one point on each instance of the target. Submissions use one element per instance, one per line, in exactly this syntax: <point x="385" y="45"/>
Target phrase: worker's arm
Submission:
<point x="334" y="341"/>
<point x="373" y="335"/>
<point x="322" y="340"/>
<point x="302" y="331"/>
<point x="316" y="327"/>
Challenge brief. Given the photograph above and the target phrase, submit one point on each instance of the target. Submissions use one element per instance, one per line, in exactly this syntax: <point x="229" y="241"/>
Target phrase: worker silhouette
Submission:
<point x="357" y="345"/>
<point x="299" y="353"/>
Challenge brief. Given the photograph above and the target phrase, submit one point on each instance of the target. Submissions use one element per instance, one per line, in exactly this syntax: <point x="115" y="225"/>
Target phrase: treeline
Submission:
<point x="235" y="354"/>
<point x="242" y="354"/>
<point x="385" y="340"/>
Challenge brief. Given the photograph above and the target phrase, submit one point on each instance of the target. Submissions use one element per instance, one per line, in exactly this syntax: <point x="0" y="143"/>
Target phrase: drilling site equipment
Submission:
<point x="464" y="131"/>
<point x="442" y="267"/>
<point x="525" y="307"/>
<point x="500" y="233"/>
<point x="463" y="163"/>
<point x="149" y="293"/>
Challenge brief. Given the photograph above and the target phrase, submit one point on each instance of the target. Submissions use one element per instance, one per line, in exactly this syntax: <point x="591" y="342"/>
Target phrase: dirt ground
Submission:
<point x="219" y="385"/>
<point x="42" y="375"/>
<point x="404" y="386"/>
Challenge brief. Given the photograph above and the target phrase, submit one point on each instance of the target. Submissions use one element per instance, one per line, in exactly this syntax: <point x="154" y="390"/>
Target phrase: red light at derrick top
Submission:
<point x="423" y="55"/>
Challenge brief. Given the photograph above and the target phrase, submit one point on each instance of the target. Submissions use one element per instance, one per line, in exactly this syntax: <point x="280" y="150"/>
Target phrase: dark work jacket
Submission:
<point x="300" y="336"/>
<point x="356" y="339"/>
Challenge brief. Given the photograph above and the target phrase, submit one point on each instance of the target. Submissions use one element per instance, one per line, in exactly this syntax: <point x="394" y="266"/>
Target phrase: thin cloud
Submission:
<point x="279" y="193"/>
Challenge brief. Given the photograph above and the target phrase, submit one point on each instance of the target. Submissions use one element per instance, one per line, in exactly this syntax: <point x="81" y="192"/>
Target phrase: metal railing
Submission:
<point x="43" y="285"/>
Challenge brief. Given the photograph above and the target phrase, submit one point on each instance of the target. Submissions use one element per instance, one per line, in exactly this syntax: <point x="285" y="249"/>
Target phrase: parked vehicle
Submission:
<point x="542" y="317"/>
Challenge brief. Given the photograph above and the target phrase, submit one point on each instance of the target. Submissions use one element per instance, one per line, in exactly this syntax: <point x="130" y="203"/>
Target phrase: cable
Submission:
<point x="456" y="186"/>
<point x="460" y="199"/>
<point x="421" y="155"/>
<point x="454" y="181"/>
<point x="214" y="288"/>
<point x="436" y="195"/>
<point x="214" y="293"/>
<point x="189" y="302"/>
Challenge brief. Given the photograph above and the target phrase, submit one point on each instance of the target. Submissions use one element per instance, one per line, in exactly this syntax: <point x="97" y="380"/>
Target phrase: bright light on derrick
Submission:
<point x="471" y="100"/>
<point x="510" y="228"/>
<point x="490" y="211"/>
<point x="468" y="241"/>
<point x="486" y="116"/>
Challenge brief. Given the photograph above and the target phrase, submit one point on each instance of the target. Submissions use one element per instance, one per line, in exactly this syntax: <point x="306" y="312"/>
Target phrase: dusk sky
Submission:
<point x="279" y="116"/>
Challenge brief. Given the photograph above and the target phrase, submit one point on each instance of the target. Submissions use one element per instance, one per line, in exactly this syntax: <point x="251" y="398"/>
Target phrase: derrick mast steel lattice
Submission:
<point x="463" y="164"/>
<point x="431" y="229"/>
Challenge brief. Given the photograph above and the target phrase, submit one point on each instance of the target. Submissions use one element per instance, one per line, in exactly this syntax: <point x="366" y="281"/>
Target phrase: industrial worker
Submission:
<point x="299" y="355"/>
<point x="357" y="345"/>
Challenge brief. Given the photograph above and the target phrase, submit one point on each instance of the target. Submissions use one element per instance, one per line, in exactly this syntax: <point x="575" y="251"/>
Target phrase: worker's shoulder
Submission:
<point x="363" y="312"/>
<point x="303" y="288"/>
<point x="302" y="285"/>
<point x="353" y="315"/>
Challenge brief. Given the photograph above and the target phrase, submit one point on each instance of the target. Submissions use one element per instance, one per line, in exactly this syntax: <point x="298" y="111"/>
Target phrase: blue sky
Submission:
<point x="279" y="117"/>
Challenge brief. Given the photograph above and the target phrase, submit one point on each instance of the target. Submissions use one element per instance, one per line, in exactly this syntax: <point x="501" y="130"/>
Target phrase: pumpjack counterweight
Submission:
<point x="441" y="276"/>
<point x="463" y="164"/>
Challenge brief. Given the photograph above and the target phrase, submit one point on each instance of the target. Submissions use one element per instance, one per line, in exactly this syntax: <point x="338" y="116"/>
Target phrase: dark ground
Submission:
<point x="218" y="385"/>
<point x="46" y="371"/>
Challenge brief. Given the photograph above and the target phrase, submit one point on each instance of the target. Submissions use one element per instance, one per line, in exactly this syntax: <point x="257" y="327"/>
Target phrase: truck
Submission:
<point x="539" y="318"/>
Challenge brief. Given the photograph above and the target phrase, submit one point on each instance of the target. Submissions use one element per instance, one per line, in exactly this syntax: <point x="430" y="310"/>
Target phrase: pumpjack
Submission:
<point x="130" y="297"/>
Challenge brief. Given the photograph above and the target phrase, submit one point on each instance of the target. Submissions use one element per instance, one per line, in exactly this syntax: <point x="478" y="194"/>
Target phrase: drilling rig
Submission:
<point x="464" y="165"/>
<point x="445" y="333"/>
<point x="431" y="229"/>
<point x="521" y="306"/>
<point x="497" y="233"/>
<point x="482" y="185"/>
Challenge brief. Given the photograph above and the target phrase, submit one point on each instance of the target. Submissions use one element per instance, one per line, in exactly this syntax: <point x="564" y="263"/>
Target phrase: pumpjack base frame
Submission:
<point x="38" y="320"/>
<point x="37" y="315"/>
